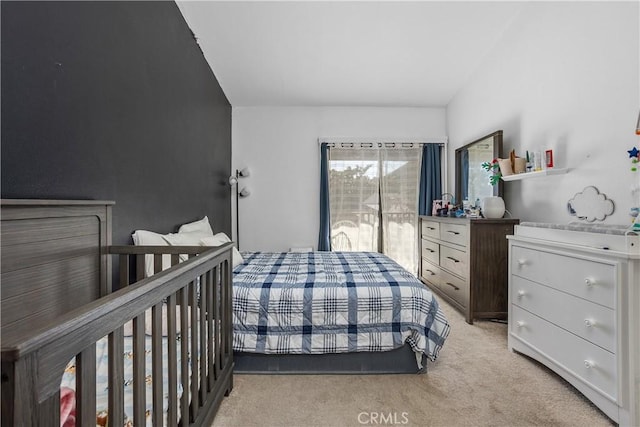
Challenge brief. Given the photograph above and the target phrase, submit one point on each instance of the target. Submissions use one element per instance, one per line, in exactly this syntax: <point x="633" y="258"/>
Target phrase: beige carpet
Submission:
<point x="476" y="381"/>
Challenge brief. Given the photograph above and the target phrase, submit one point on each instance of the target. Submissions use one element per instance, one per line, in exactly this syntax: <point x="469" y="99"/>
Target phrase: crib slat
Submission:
<point x="156" y="363"/>
<point x="139" y="384"/>
<point x="223" y="315"/>
<point x="184" y="356"/>
<point x="223" y="320"/>
<point x="210" y="328"/>
<point x="139" y="267"/>
<point x="193" y="303"/>
<point x="157" y="263"/>
<point x="116" y="378"/>
<point x="228" y="320"/>
<point x="172" y="360"/>
<point x="203" y="337"/>
<point x="124" y="270"/>
<point x="86" y="386"/>
<point x="216" y="333"/>
<point x="228" y="325"/>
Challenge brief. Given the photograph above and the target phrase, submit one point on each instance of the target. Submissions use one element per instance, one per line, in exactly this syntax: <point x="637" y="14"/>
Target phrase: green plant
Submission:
<point x="494" y="169"/>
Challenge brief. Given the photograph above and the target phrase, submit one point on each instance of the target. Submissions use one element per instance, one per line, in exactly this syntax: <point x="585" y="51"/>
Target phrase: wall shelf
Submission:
<point x="526" y="175"/>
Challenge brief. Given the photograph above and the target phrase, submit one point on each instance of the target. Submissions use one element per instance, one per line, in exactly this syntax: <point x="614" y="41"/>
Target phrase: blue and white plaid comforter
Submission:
<point x="332" y="302"/>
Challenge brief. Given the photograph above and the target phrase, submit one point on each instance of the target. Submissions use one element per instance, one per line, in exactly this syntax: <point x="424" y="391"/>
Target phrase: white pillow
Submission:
<point x="183" y="239"/>
<point x="149" y="238"/>
<point x="201" y="226"/>
<point x="220" y="239"/>
<point x="189" y="235"/>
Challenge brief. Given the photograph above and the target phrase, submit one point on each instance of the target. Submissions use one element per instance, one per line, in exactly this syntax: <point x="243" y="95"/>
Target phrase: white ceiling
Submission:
<point x="333" y="53"/>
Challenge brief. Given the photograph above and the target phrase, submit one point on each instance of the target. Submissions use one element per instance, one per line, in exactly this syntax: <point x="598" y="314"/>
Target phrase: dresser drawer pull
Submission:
<point x="431" y="228"/>
<point x="520" y="324"/>
<point x="430" y="250"/>
<point x="453" y="232"/>
<point x="589" y="364"/>
<point x="521" y="293"/>
<point x="430" y="272"/>
<point x="522" y="262"/>
<point x="453" y="286"/>
<point x="453" y="259"/>
<point x="589" y="323"/>
<point x="589" y="282"/>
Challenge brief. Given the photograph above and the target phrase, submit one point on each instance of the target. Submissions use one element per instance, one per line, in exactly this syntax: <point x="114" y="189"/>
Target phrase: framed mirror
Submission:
<point x="472" y="180"/>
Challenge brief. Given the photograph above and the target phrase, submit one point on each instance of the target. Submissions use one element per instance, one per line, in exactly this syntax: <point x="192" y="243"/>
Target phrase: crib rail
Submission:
<point x="32" y="367"/>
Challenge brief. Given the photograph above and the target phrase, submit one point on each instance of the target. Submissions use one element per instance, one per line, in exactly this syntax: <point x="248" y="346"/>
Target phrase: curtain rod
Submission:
<point x="372" y="142"/>
<point x="388" y="145"/>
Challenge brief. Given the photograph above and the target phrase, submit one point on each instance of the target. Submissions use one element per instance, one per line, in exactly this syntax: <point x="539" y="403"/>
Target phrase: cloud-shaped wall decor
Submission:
<point x="590" y="205"/>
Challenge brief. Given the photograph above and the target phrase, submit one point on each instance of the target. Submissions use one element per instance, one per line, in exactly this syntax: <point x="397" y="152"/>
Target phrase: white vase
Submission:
<point x="493" y="207"/>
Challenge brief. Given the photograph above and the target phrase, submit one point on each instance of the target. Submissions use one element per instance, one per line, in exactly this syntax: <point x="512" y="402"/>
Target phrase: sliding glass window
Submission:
<point x="373" y="198"/>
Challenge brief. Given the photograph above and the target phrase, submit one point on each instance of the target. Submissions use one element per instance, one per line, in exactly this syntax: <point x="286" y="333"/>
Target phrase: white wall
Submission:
<point x="280" y="146"/>
<point x="565" y="76"/>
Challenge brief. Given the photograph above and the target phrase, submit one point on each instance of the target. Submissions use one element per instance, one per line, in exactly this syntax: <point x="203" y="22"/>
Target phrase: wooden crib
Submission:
<point x="57" y="302"/>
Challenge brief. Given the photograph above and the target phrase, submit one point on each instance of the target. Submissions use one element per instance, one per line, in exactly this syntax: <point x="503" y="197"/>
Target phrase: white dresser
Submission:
<point x="574" y="305"/>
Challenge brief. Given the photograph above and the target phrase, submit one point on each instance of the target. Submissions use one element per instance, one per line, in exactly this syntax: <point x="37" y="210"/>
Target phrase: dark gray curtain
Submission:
<point x="324" y="238"/>
<point x="464" y="176"/>
<point x="430" y="178"/>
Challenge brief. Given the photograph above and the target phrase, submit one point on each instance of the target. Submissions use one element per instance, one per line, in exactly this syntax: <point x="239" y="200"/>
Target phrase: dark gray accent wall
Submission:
<point x="113" y="101"/>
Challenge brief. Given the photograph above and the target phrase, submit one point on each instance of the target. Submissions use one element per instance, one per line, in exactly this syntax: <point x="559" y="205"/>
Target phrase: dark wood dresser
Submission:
<point x="466" y="262"/>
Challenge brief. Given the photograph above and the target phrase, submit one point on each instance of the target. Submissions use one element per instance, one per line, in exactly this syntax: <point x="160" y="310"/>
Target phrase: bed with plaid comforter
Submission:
<point x="332" y="302"/>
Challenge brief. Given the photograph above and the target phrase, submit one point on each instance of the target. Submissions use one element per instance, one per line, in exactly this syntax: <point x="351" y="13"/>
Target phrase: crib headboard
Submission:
<point x="54" y="259"/>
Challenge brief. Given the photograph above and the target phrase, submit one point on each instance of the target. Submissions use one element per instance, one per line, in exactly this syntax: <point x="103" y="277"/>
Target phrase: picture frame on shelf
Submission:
<point x="549" y="158"/>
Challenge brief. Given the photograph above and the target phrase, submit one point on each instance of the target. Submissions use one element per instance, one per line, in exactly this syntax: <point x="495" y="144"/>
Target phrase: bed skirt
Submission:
<point x="399" y="361"/>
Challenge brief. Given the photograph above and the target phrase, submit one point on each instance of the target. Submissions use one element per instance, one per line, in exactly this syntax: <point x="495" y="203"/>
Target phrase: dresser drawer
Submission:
<point x="448" y="284"/>
<point x="588" y="320"/>
<point x="454" y="260"/>
<point x="588" y="279"/>
<point x="430" y="272"/>
<point x="587" y="361"/>
<point x="454" y="287"/>
<point x="430" y="251"/>
<point x="454" y="233"/>
<point x="430" y="229"/>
